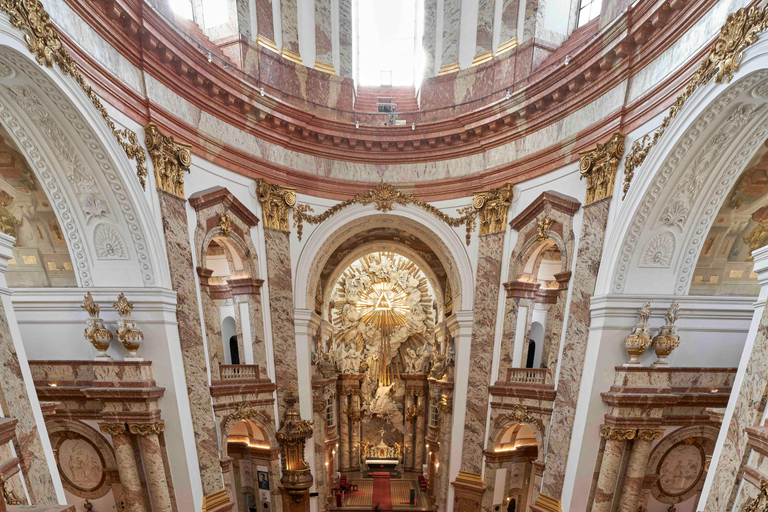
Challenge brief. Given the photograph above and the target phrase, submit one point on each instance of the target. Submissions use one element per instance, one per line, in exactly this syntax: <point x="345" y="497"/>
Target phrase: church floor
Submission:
<point x="400" y="489"/>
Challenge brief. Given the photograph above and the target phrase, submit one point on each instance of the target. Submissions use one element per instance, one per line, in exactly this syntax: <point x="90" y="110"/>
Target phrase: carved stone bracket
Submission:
<point x="43" y="41"/>
<point x="493" y="206"/>
<point x="741" y="30"/>
<point x="599" y="167"/>
<point x="170" y="159"/>
<point x="146" y="429"/>
<point x="385" y="196"/>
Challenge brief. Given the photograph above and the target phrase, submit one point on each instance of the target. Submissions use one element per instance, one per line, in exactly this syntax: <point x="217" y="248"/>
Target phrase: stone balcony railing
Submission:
<point x="230" y="372"/>
<point x="528" y="376"/>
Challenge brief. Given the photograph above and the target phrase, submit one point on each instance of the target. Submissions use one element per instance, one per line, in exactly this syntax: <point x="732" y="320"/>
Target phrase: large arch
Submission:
<point x="64" y="139"/>
<point x="658" y="237"/>
<point x="444" y="241"/>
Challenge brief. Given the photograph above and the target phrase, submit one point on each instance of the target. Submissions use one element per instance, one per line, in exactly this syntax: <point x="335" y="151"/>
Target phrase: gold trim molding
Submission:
<point x="448" y="68"/>
<point x="741" y="30"/>
<point x="276" y="204"/>
<point x="599" y="167"/>
<point x="482" y="58"/>
<point x="43" y="41"/>
<point x="171" y="159"/>
<point x="493" y="206"/>
<point x="267" y="43"/>
<point x="325" y="68"/>
<point x="385" y="196"/>
<point x="291" y="56"/>
<point x="505" y="47"/>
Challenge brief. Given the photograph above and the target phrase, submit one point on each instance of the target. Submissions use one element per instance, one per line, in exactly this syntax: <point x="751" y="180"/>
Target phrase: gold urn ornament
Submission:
<point x="127" y="330"/>
<point x="640" y="337"/>
<point x="292" y="436"/>
<point x="667" y="340"/>
<point x="95" y="332"/>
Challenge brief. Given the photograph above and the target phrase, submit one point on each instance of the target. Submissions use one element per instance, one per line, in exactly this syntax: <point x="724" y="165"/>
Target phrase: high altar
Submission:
<point x="382" y="458"/>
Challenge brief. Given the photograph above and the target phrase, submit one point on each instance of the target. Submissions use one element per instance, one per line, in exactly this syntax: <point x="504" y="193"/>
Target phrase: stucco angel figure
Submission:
<point x="381" y="403"/>
<point x="414" y="298"/>
<point x="382" y="269"/>
<point x="411" y="361"/>
<point x="355" y="285"/>
<point x="350" y="316"/>
<point x="423" y="354"/>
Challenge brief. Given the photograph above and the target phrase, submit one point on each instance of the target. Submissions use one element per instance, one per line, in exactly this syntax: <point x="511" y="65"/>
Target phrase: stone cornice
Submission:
<point x="642" y="33"/>
<point x="232" y="204"/>
<point x="554" y="200"/>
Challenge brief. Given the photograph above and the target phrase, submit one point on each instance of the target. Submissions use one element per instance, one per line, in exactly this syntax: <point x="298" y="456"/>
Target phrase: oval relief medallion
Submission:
<point x="680" y="469"/>
<point x="80" y="464"/>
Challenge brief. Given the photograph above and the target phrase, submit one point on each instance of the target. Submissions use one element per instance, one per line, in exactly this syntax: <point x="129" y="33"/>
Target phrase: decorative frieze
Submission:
<point x="599" y="167"/>
<point x="649" y="434"/>
<point x="171" y="159"/>
<point x="493" y="206"/>
<point x="518" y="414"/>
<point x="276" y="204"/>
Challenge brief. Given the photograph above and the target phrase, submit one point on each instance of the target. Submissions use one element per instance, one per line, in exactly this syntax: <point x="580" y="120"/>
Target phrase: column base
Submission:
<point x="217" y="502"/>
<point x="546" y="504"/>
<point x="468" y="490"/>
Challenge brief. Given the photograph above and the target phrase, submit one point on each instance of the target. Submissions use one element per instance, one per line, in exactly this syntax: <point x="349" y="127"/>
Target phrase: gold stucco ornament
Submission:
<point x="667" y="340"/>
<point x="292" y="436"/>
<point x="95" y="331"/>
<point x="640" y="337"/>
<point x="127" y="330"/>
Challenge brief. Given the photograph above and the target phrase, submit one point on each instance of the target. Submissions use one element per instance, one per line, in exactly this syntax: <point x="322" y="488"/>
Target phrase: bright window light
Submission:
<point x="215" y="13"/>
<point x="182" y="8"/>
<point x="589" y="10"/>
<point x="386" y="42"/>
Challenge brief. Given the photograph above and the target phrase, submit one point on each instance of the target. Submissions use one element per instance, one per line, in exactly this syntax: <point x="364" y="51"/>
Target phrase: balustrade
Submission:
<point x="528" y="375"/>
<point x="238" y="371"/>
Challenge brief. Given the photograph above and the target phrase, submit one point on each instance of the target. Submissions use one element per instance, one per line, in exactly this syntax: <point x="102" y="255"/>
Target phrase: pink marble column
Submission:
<point x="289" y="21"/>
<point x="323" y="33"/>
<point x="418" y="450"/>
<point x="354" y="417"/>
<point x="154" y="465"/>
<point x="182" y="270"/>
<point x="588" y="258"/>
<point x="481" y="354"/>
<point x="126" y="466"/>
<point x="344" y="432"/>
<point x="345" y="38"/>
<point x="632" y="487"/>
<point x="484" y="39"/>
<point x="410" y="417"/>
<point x="278" y="245"/>
<point x="615" y="439"/>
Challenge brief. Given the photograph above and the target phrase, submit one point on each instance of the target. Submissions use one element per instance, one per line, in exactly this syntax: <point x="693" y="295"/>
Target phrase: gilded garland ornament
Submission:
<point x="113" y="429"/>
<point x="519" y="414"/>
<point x="740" y="31"/>
<point x="43" y="41"/>
<point x="649" y="434"/>
<point x="760" y="502"/>
<point x="385" y="197"/>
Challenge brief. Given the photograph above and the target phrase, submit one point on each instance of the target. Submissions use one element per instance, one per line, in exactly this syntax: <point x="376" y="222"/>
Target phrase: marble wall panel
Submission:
<point x="509" y="15"/>
<point x="481" y="353"/>
<point x="428" y="41"/>
<point x="278" y="245"/>
<point x="451" y="26"/>
<point x="323" y="32"/>
<point x="588" y="257"/>
<point x="485" y="13"/>
<point x="257" y="331"/>
<point x="16" y="404"/>
<point x="553" y="332"/>
<point x="182" y="273"/>
<point x="747" y="412"/>
<point x="345" y="38"/>
<point x="289" y="20"/>
<point x="264" y="19"/>
<point x="508" y="336"/>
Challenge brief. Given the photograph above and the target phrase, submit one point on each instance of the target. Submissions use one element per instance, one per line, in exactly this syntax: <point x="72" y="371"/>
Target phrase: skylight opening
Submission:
<point x="387" y="49"/>
<point x="182" y="8"/>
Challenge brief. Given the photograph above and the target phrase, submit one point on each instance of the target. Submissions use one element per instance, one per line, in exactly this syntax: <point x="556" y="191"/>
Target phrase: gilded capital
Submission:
<point x="599" y="167"/>
<point x="276" y="204"/>
<point x="617" y="434"/>
<point x="493" y="206"/>
<point x="146" y="429"/>
<point x="170" y="159"/>
<point x="649" y="434"/>
<point x="113" y="429"/>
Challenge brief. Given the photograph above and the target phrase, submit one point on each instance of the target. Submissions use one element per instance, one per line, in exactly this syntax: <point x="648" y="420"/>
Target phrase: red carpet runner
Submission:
<point x="382" y="494"/>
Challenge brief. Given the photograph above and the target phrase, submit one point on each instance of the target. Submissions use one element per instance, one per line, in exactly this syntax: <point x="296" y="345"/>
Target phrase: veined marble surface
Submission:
<point x="264" y="18"/>
<point x="323" y="32"/>
<point x="485" y="12"/>
<point x="288" y="18"/>
<point x="451" y="23"/>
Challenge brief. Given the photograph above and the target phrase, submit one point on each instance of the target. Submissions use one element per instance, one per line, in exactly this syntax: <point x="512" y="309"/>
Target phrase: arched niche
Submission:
<point x="92" y="186"/>
<point x="660" y="228"/>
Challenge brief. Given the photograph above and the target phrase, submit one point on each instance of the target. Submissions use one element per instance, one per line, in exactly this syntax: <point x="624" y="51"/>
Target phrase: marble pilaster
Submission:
<point x="182" y="270"/>
<point x="428" y="38"/>
<point x="485" y="13"/>
<point x="354" y="427"/>
<point x="289" y="17"/>
<point x="451" y="25"/>
<point x="443" y="470"/>
<point x="408" y="441"/>
<point x="18" y="403"/>
<point x="133" y="496"/>
<point x="278" y="246"/>
<point x="344" y="403"/>
<point x="345" y="38"/>
<point x="509" y="17"/>
<point x="154" y="465"/>
<point x="588" y="256"/>
<point x="481" y="352"/>
<point x="632" y="487"/>
<point x="418" y="445"/>
<point x="318" y="436"/>
<point x="323" y="33"/>
<point x="508" y="335"/>
<point x="264" y="19"/>
<point x="212" y="321"/>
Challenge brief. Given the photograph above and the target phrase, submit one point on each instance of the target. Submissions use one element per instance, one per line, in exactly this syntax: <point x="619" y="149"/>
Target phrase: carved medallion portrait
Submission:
<point x="680" y="469"/>
<point x="80" y="464"/>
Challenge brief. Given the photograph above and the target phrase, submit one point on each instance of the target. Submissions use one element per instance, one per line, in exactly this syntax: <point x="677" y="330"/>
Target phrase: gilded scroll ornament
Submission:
<point x="292" y="436"/>
<point x="741" y="30"/>
<point x="225" y="223"/>
<point x="518" y="414"/>
<point x="8" y="495"/>
<point x="146" y="429"/>
<point x="599" y="167"/>
<point x="640" y="337"/>
<point x="171" y="159"/>
<point x="617" y="434"/>
<point x="245" y="411"/>
<point x="276" y="204"/>
<point x="43" y="41"/>
<point x="95" y="331"/>
<point x="542" y="227"/>
<point x="649" y="434"/>
<point x="128" y="331"/>
<point x="113" y="429"/>
<point x="385" y="197"/>
<point x="493" y="206"/>
<point x="760" y="502"/>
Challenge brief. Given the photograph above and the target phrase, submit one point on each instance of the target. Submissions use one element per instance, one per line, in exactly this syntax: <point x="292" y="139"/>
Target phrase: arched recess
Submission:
<point x="64" y="139"/>
<point x="673" y="200"/>
<point x="535" y="425"/>
<point x="443" y="240"/>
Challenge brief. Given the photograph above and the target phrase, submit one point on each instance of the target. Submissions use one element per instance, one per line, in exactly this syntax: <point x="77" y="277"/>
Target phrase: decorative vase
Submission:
<point x="667" y="340"/>
<point x="127" y="331"/>
<point x="640" y="338"/>
<point x="95" y="332"/>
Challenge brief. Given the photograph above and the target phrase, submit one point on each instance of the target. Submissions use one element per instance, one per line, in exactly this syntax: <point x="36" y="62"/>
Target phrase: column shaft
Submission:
<point x="609" y="471"/>
<point x="126" y="467"/>
<point x="354" y="447"/>
<point x="154" y="467"/>
<point x="636" y="469"/>
<point x="410" y="410"/>
<point x="418" y="450"/>
<point x="344" y="432"/>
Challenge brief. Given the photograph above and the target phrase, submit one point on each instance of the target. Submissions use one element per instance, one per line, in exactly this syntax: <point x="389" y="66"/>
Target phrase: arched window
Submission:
<point x="531" y="354"/>
<point x="234" y="354"/>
